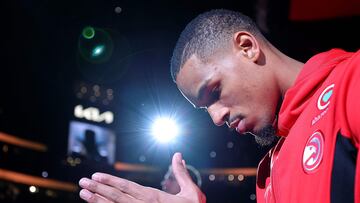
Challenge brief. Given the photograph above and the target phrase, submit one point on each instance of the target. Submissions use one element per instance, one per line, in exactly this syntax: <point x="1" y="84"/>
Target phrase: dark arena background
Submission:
<point x="82" y="82"/>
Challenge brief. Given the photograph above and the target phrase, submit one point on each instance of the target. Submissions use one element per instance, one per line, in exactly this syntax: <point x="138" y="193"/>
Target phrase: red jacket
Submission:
<point x="316" y="158"/>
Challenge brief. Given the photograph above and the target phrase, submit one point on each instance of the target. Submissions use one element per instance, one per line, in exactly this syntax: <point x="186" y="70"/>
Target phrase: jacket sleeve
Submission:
<point x="352" y="101"/>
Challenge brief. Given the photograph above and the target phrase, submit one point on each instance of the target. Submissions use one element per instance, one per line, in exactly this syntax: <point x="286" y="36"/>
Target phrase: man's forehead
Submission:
<point x="191" y="77"/>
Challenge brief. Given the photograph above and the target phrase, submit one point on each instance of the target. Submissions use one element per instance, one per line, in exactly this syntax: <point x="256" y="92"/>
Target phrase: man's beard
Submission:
<point x="266" y="136"/>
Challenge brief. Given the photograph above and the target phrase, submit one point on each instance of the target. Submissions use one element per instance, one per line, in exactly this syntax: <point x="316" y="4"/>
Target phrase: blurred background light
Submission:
<point x="98" y="50"/>
<point x="212" y="154"/>
<point x="33" y="189"/>
<point x="241" y="177"/>
<point x="118" y="9"/>
<point x="231" y="177"/>
<point x="212" y="177"/>
<point x="95" y="45"/>
<point x="253" y="197"/>
<point x="44" y="174"/>
<point x="88" y="32"/>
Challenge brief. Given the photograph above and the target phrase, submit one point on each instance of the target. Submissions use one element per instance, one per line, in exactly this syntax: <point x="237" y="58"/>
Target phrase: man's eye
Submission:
<point x="215" y="94"/>
<point x="211" y="97"/>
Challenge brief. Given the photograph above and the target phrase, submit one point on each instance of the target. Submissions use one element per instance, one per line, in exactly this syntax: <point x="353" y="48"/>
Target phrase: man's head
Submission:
<point x="219" y="64"/>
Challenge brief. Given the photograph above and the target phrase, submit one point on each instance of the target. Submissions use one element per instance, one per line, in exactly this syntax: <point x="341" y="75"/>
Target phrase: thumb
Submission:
<point x="180" y="172"/>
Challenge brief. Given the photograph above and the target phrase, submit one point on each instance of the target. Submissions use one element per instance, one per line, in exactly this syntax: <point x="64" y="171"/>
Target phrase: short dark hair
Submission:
<point x="208" y="32"/>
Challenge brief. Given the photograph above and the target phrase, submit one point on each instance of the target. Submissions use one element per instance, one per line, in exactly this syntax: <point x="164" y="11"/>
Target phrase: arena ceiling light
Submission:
<point x="165" y="130"/>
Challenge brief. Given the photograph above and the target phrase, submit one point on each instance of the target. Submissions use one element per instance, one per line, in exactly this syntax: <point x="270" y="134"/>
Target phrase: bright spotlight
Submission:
<point x="165" y="130"/>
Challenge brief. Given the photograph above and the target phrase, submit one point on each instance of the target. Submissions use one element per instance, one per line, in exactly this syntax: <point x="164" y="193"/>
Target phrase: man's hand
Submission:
<point x="104" y="188"/>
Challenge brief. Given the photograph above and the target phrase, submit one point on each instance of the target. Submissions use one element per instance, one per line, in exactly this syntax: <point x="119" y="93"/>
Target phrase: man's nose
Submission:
<point x="219" y="114"/>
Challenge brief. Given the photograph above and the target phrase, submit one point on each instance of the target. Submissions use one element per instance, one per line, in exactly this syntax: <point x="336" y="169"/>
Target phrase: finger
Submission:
<point x="126" y="186"/>
<point x="91" y="197"/>
<point x="110" y="193"/>
<point x="103" y="198"/>
<point x="181" y="173"/>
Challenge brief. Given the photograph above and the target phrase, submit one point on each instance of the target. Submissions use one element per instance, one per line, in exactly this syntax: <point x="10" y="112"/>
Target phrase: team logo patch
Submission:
<point x="313" y="152"/>
<point x="324" y="99"/>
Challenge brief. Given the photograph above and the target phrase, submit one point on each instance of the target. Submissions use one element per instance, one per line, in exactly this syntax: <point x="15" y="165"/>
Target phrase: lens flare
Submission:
<point x="165" y="130"/>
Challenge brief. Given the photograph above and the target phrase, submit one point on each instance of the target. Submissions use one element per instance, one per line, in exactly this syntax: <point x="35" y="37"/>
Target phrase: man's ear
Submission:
<point x="247" y="45"/>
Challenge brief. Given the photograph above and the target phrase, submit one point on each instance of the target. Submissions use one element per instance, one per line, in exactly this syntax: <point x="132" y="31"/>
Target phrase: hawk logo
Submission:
<point x="313" y="152"/>
<point x="324" y="99"/>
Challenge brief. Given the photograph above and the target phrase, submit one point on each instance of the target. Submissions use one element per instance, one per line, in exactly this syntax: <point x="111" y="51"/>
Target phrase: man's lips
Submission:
<point x="239" y="125"/>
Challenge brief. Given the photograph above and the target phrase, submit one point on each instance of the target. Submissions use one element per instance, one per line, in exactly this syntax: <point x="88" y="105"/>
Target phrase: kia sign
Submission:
<point x="93" y="114"/>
